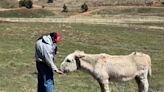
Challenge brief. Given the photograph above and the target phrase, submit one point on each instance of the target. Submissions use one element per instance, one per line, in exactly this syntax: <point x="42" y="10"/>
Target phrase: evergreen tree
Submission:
<point x="65" y="9"/>
<point x="84" y="7"/>
<point x="25" y="3"/>
<point x="50" y="1"/>
<point x="28" y="4"/>
<point x="21" y="3"/>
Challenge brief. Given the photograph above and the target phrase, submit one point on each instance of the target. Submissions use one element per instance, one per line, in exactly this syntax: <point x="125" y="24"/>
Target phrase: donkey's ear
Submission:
<point x="79" y="55"/>
<point x="77" y="62"/>
<point x="78" y="51"/>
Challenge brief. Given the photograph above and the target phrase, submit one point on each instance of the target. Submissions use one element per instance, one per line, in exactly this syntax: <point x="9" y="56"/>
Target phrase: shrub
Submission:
<point x="65" y="9"/>
<point x="50" y="1"/>
<point x="25" y="3"/>
<point x="84" y="7"/>
<point x="28" y="4"/>
<point x="21" y="3"/>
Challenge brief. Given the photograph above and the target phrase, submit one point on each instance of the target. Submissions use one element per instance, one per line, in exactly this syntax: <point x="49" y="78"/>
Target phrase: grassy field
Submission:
<point x="8" y="4"/>
<point x="26" y="13"/>
<point x="17" y="64"/>
<point x="132" y="10"/>
<point x="103" y="11"/>
<point x="17" y="40"/>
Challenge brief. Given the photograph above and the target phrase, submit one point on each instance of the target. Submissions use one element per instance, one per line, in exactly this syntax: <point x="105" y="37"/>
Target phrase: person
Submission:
<point x="46" y="49"/>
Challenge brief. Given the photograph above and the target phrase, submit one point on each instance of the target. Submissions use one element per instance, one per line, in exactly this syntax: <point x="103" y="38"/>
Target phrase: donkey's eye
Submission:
<point x="68" y="61"/>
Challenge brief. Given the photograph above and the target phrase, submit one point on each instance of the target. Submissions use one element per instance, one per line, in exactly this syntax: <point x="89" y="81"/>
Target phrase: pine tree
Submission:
<point x="65" y="9"/>
<point x="84" y="7"/>
<point x="50" y="1"/>
<point x="25" y="3"/>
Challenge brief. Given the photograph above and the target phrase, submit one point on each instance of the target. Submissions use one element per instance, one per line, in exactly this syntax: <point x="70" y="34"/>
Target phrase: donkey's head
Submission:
<point x="72" y="61"/>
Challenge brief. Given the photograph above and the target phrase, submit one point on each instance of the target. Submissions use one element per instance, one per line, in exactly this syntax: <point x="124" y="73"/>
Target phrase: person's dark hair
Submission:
<point x="53" y="36"/>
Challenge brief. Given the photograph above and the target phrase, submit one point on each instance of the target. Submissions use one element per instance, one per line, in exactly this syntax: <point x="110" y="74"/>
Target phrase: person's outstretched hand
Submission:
<point x="59" y="72"/>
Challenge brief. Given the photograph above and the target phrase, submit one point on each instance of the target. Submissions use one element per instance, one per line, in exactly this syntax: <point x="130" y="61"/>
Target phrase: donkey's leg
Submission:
<point x="140" y="86"/>
<point x="104" y="85"/>
<point x="101" y="85"/>
<point x="142" y="82"/>
<point x="145" y="83"/>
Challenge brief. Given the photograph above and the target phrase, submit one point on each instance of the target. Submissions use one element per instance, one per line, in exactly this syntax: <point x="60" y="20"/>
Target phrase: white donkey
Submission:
<point x="104" y="67"/>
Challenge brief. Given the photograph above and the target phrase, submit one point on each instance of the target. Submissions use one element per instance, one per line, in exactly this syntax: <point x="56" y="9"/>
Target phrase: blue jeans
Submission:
<point x="45" y="78"/>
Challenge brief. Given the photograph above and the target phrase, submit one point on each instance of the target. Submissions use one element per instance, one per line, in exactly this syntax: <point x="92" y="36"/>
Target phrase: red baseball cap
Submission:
<point x="55" y="37"/>
<point x="57" y="40"/>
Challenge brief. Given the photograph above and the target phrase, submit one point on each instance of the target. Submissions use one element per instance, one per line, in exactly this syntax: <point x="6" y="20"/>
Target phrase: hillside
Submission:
<point x="105" y="2"/>
<point x="8" y="3"/>
<point x="74" y="3"/>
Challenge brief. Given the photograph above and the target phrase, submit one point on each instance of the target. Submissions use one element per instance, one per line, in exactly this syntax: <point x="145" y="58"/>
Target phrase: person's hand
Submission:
<point x="59" y="72"/>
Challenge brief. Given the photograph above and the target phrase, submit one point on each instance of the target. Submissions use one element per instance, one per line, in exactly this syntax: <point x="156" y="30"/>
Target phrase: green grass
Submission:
<point x="26" y="13"/>
<point x="150" y="24"/>
<point x="8" y="3"/>
<point x="144" y="11"/>
<point x="17" y="64"/>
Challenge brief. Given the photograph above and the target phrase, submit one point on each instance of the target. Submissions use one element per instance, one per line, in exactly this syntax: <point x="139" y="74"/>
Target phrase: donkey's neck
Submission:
<point x="91" y="58"/>
<point x="89" y="61"/>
